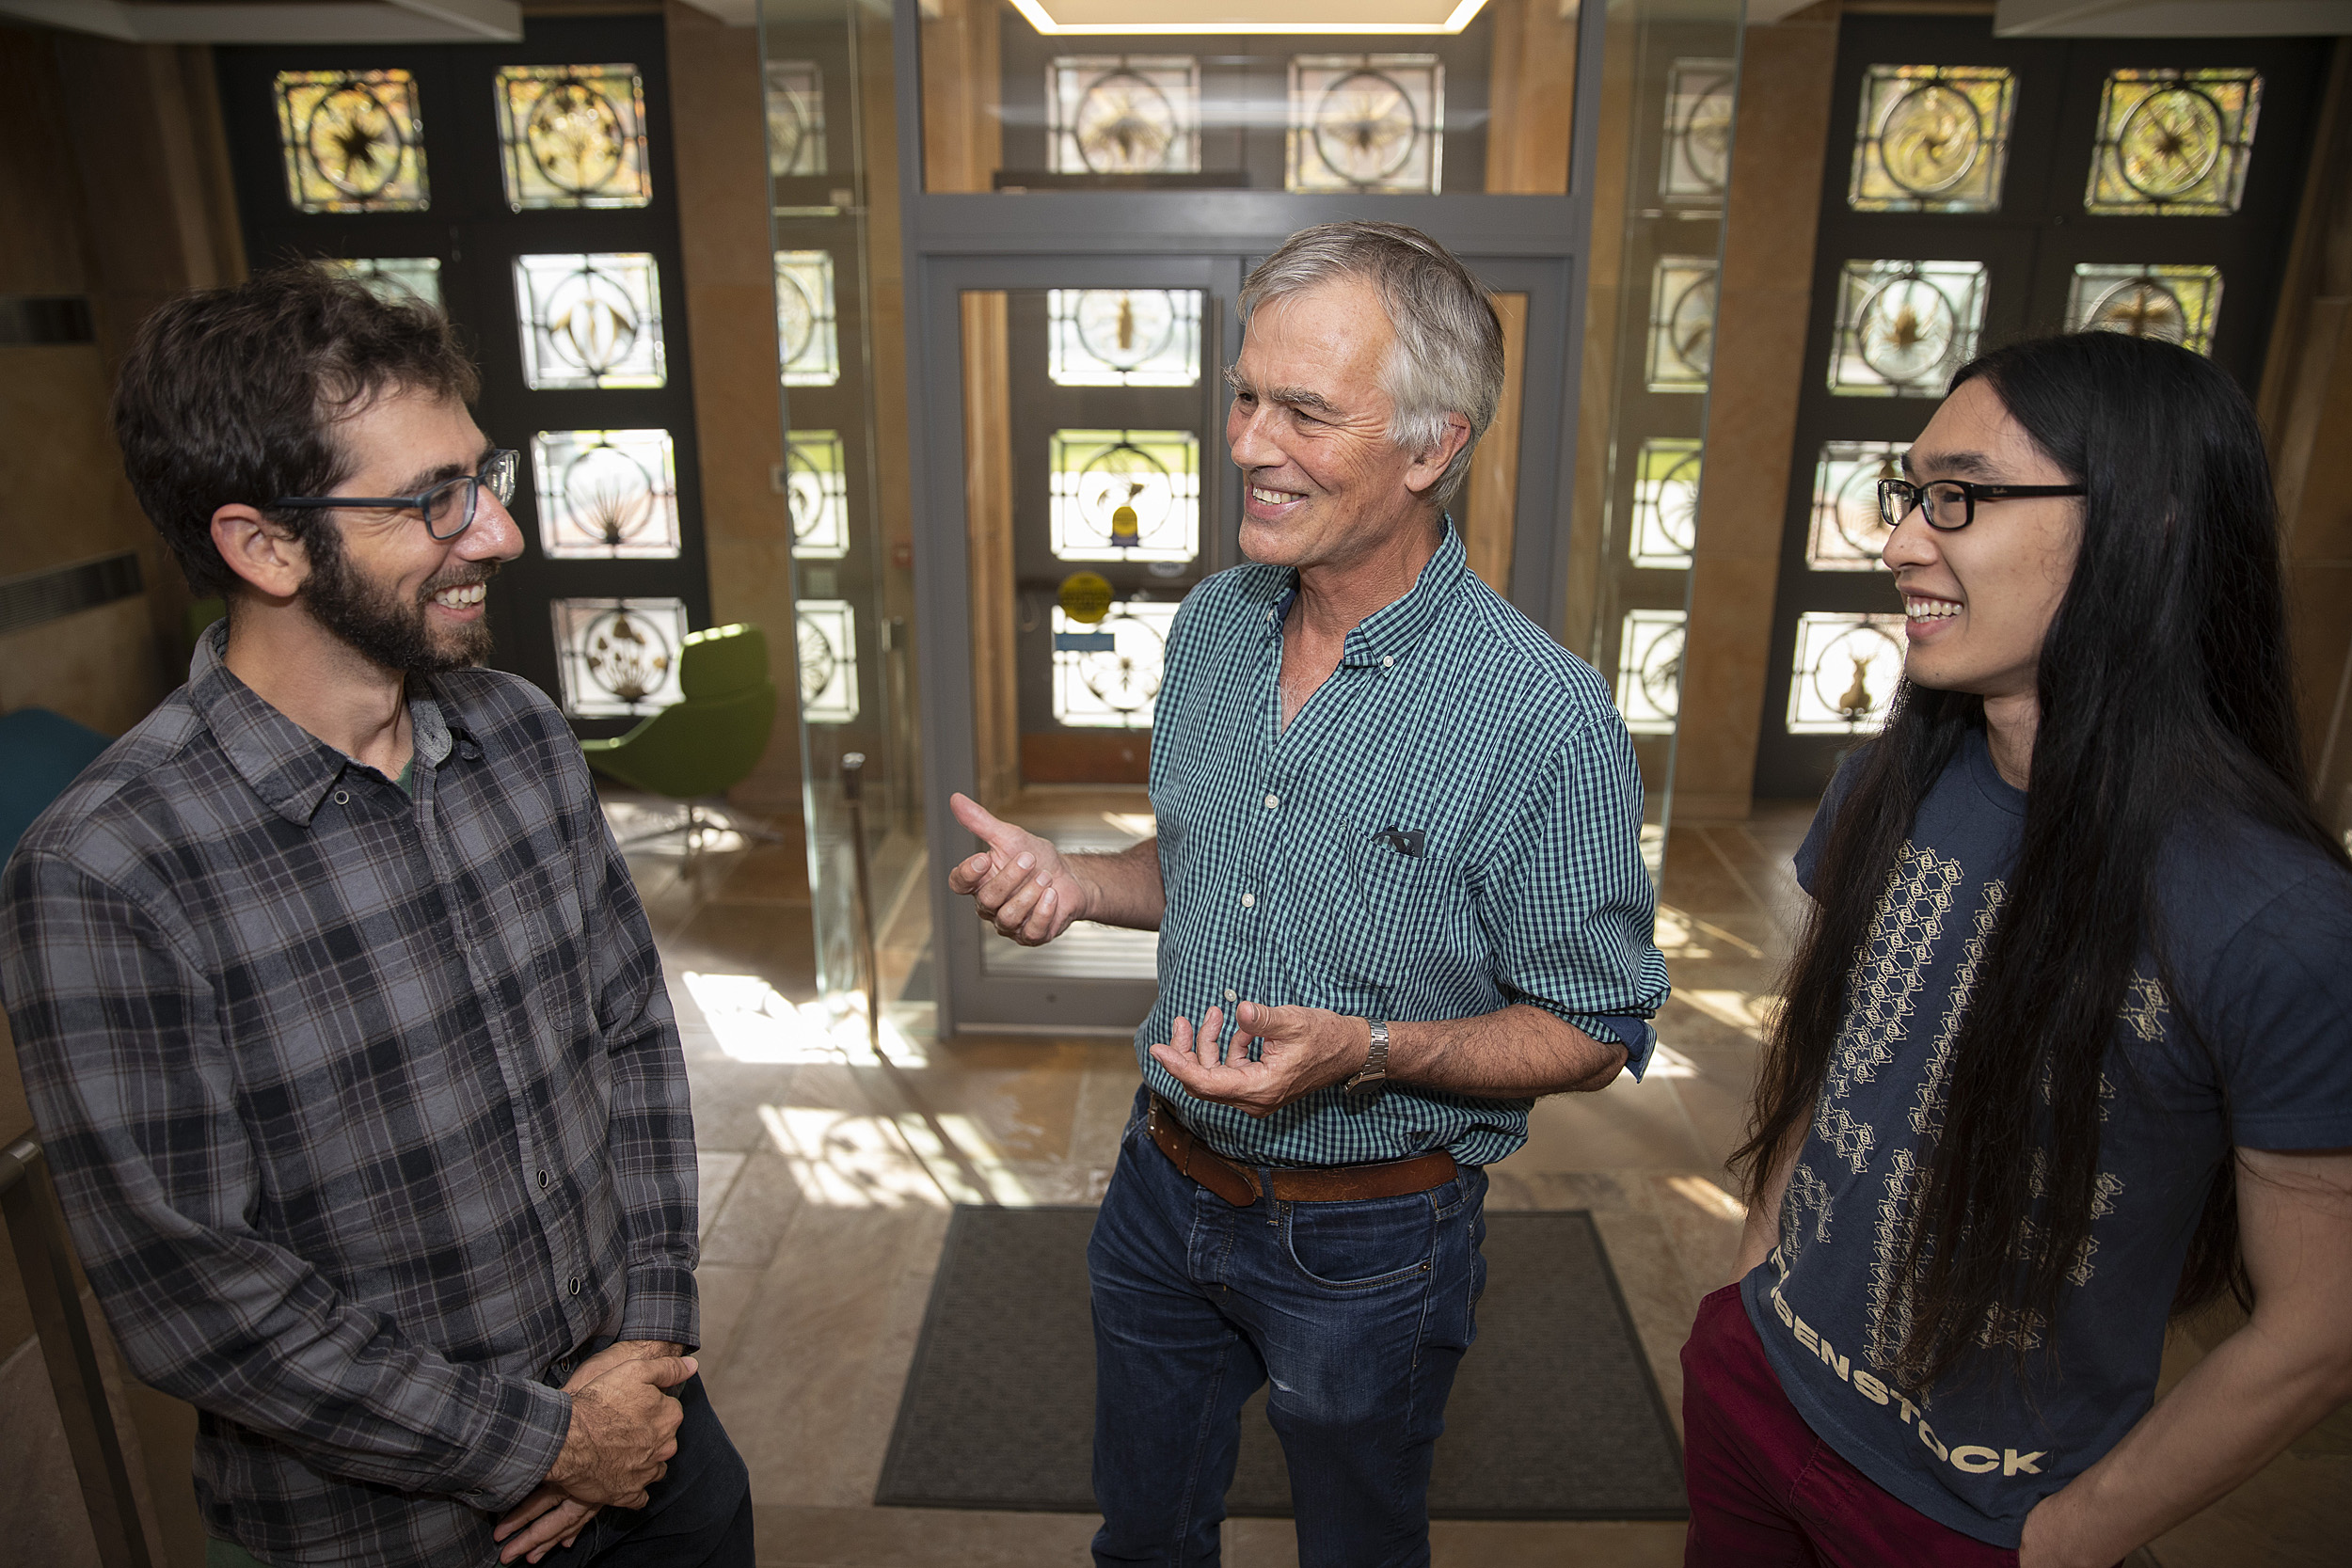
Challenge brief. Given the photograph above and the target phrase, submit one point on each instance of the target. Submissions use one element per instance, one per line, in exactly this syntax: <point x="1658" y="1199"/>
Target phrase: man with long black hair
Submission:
<point x="2067" y="1047"/>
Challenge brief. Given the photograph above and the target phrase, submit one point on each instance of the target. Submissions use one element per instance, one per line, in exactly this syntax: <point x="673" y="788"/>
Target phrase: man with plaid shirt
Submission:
<point x="1398" y="853"/>
<point x="339" y="1017"/>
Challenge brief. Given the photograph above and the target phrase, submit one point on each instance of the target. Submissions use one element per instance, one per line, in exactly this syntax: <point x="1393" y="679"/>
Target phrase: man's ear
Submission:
<point x="1430" y="466"/>
<point x="264" y="554"/>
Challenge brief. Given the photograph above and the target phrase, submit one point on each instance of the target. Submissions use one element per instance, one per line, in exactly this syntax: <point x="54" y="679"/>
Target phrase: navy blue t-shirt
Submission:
<point x="2259" y="929"/>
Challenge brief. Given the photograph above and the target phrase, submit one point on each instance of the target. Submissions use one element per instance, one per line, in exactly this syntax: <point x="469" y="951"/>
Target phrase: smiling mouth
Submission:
<point x="465" y="596"/>
<point x="1275" y="497"/>
<point x="1920" y="609"/>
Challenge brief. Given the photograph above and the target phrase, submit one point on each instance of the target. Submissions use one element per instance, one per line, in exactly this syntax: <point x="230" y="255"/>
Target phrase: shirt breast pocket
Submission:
<point x="1400" y="885"/>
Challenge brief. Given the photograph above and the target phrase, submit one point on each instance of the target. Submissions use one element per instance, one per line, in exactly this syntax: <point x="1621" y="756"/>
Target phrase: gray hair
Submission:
<point x="1448" y="356"/>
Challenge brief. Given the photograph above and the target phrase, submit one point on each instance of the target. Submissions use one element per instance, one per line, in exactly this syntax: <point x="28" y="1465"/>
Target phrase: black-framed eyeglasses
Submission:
<point x="447" y="508"/>
<point x="1950" y="504"/>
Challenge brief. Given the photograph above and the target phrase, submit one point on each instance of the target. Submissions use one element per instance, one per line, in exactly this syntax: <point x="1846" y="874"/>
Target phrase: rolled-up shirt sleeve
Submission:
<point x="1565" y="900"/>
<point x="136" y="1100"/>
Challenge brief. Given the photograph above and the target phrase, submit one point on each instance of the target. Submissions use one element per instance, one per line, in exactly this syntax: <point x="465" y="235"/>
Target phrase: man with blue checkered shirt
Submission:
<point x="1398" y="884"/>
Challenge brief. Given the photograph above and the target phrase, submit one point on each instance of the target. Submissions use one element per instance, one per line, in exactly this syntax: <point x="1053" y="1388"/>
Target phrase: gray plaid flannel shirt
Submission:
<point x="1495" y="753"/>
<point x="368" y="1113"/>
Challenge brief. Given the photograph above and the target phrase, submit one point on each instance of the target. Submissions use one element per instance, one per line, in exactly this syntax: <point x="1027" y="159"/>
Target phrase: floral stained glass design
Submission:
<point x="796" y="119"/>
<point x="1123" y="337"/>
<point x="590" y="321"/>
<point x="1666" y="503"/>
<point x="1649" y="670"/>
<point x="395" y="280"/>
<point x="1848" y="532"/>
<point x="2173" y="142"/>
<point x="1107" y="675"/>
<point x="1932" y="139"/>
<point x="2173" y="305"/>
<point x="618" y="657"/>
<point x="1844" y="672"/>
<point x="1153" y="476"/>
<point x="1699" y="101"/>
<point x="354" y="141"/>
<point x="807" y="343"/>
<point x="606" y="495"/>
<point x="1366" y="123"/>
<point x="816" y="493"/>
<point x="1681" y="323"/>
<point x="826" y="642"/>
<point x="1905" y="326"/>
<point x="1122" y="114"/>
<point x="573" y="136"/>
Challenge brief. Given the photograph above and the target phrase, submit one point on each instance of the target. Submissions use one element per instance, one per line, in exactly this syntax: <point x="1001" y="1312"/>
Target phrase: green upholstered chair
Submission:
<point x="708" y="743"/>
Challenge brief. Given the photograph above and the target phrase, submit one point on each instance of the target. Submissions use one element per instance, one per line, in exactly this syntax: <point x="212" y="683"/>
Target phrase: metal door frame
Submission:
<point x="1536" y="245"/>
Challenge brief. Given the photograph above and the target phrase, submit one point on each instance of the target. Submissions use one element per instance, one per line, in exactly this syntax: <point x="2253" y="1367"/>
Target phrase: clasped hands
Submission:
<point x="1300" y="1050"/>
<point x="624" y="1430"/>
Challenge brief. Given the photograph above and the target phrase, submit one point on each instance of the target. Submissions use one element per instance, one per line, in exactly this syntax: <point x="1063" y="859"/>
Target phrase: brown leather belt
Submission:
<point x="1239" y="1186"/>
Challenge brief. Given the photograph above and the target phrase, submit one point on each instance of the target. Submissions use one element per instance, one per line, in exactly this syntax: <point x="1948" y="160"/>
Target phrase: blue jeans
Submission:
<point x="697" y="1515"/>
<point x="1358" y="1313"/>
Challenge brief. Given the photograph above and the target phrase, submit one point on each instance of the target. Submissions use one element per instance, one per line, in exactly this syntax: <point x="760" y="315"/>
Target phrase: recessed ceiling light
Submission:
<point x="1082" y="18"/>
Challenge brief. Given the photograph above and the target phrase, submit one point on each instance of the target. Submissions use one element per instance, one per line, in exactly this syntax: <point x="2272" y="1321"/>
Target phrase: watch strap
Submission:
<point x="1375" y="1068"/>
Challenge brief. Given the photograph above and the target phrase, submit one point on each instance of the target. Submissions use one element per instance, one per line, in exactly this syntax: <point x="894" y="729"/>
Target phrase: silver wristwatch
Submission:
<point x="1376" y="1073"/>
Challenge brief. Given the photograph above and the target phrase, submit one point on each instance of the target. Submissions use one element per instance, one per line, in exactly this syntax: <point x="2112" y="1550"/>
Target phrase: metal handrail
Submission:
<point x="44" y="1257"/>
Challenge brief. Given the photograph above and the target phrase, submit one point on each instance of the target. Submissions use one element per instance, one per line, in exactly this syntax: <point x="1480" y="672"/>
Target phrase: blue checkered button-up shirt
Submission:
<point x="1451" y="826"/>
<point x="368" y="1112"/>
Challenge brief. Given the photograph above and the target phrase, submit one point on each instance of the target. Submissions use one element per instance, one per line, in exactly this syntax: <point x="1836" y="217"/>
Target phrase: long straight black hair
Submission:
<point x="2165" y="691"/>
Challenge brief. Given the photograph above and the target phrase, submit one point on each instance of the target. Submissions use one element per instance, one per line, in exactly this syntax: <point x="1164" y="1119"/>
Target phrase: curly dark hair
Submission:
<point x="233" y="395"/>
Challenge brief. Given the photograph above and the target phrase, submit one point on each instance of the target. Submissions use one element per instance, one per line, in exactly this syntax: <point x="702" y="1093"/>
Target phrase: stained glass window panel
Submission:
<point x="354" y="141"/>
<point x="807" y="342"/>
<point x="616" y="657"/>
<point x="796" y="119"/>
<point x="2173" y="305"/>
<point x="1665" y="502"/>
<point x="1154" y="475"/>
<point x="1903" y="327"/>
<point x="2173" y="142"/>
<point x="395" y="278"/>
<point x="1699" y="98"/>
<point x="1847" y="532"/>
<point x="606" y="495"/>
<point x="827" y="643"/>
<point x="817" y="492"/>
<point x="590" y="321"/>
<point x="1366" y="123"/>
<point x="1649" y="670"/>
<point x="1123" y="337"/>
<point x="1681" y="323"/>
<point x="573" y="136"/>
<point x="1932" y="139"/>
<point x="1123" y="113"/>
<point x="1845" y="670"/>
<point x="1107" y="675"/>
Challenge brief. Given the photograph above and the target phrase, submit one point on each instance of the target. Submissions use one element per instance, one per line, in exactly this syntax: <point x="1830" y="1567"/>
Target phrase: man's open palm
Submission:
<point x="1021" y="883"/>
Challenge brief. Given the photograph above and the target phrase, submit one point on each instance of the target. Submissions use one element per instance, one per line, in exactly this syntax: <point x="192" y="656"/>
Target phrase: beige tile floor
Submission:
<point x="829" y="1172"/>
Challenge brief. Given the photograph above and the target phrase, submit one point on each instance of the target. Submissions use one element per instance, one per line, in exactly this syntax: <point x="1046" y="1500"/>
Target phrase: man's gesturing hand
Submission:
<point x="1302" y="1049"/>
<point x="1021" y="882"/>
<point x="624" y="1430"/>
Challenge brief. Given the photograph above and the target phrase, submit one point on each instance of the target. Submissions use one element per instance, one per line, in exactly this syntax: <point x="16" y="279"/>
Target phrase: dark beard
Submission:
<point x="376" y="622"/>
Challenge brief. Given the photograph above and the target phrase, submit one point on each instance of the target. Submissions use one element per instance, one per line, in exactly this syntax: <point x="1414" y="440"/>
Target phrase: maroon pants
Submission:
<point x="1767" y="1493"/>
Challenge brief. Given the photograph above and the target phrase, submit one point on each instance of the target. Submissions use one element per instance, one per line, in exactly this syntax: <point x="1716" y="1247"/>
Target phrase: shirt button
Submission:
<point x="1248" y="900"/>
<point x="545" y="1181"/>
<point x="1272" y="801"/>
<point x="343" y="797"/>
<point x="1387" y="661"/>
<point x="1231" y="995"/>
<point x="574" y="1284"/>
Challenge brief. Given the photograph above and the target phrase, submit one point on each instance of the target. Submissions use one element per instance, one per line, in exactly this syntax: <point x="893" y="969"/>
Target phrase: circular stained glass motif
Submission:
<point x="591" y="322"/>
<point x="576" y="137"/>
<point x="1365" y="128"/>
<point x="1691" y="325"/>
<point x="1931" y="139"/>
<point x="818" y="664"/>
<point x="1678" y="502"/>
<point x="786" y="130"/>
<point x="1124" y="327"/>
<point x="1707" y="135"/>
<point x="2169" y="143"/>
<point x="1856" y="513"/>
<point x="795" y="318"/>
<point x="1124" y="125"/>
<point x="610" y="494"/>
<point x="1127" y="678"/>
<point x="804" y="495"/>
<point x="1856" y="672"/>
<point x="1121" y="476"/>
<point x="1661" y="674"/>
<point x="625" y="655"/>
<point x="1906" y="329"/>
<point x="354" y="141"/>
<point x="2142" y="308"/>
